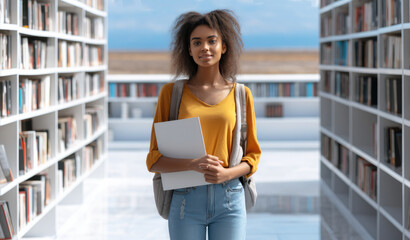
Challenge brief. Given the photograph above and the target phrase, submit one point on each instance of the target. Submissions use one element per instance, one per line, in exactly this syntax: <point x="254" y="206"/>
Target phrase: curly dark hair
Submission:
<point x="224" y="21"/>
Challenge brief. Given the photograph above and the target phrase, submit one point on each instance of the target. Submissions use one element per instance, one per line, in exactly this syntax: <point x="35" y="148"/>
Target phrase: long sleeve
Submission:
<point x="161" y="115"/>
<point x="253" y="150"/>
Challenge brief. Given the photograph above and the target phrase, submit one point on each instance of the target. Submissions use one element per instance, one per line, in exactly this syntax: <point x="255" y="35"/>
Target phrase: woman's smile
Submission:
<point x="206" y="56"/>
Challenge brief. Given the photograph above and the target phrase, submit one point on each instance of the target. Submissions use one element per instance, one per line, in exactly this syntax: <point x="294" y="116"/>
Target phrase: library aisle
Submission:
<point x="121" y="206"/>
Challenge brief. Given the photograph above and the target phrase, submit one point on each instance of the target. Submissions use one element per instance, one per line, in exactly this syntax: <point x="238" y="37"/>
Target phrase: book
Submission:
<point x="341" y="53"/>
<point x="5" y="98"/>
<point x="392" y="51"/>
<point x="2" y="10"/>
<point x="4" y="164"/>
<point x="69" y="54"/>
<point x="365" y="53"/>
<point x="35" y="15"/>
<point x="97" y="4"/>
<point x="29" y="138"/>
<point x="342" y="159"/>
<point x="365" y="16"/>
<point x="274" y="110"/>
<point x="8" y="98"/>
<point x="94" y="28"/>
<point x="124" y="110"/>
<point x="60" y="177"/>
<point x="43" y="145"/>
<point x="27" y="194"/>
<point x="67" y="132"/>
<point x="112" y="89"/>
<point x="34" y="94"/>
<point x="68" y="167"/>
<point x="68" y="88"/>
<point x="393" y="95"/>
<point x="34" y="53"/>
<point x="375" y="130"/>
<point x="390" y="12"/>
<point x="408" y="218"/>
<point x="7" y="227"/>
<point x="342" y="84"/>
<point x="342" y="22"/>
<point x="181" y="139"/>
<point x="92" y="152"/>
<point x="92" y="119"/>
<point x="366" y="90"/>
<point x="23" y="213"/>
<point x="37" y="191"/>
<point x="5" y="50"/>
<point x="326" y="147"/>
<point x="94" y="84"/>
<point x="326" y="53"/>
<point x="45" y="186"/>
<point x="22" y="155"/>
<point x="398" y="147"/>
<point x="67" y="22"/>
<point x="394" y="146"/>
<point x="366" y="177"/>
<point x="93" y="56"/>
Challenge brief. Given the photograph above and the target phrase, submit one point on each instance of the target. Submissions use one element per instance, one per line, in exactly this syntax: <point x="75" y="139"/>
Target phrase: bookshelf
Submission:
<point x="364" y="112"/>
<point x="282" y="102"/>
<point x="53" y="107"/>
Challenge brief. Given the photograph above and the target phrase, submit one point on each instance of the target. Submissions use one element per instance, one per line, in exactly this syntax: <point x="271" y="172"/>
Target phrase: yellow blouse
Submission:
<point x="217" y="123"/>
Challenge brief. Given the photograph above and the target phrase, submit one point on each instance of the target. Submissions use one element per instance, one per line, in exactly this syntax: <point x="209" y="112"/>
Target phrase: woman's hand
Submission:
<point x="217" y="174"/>
<point x="200" y="164"/>
<point x="213" y="170"/>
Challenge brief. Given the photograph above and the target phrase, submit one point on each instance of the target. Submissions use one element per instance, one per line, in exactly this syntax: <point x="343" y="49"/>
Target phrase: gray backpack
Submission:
<point x="163" y="198"/>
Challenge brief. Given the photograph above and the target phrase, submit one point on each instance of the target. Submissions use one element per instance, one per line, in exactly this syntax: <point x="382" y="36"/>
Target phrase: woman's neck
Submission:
<point x="209" y="76"/>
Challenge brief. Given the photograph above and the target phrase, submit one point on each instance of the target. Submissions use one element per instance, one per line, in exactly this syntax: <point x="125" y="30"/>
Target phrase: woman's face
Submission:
<point x="206" y="46"/>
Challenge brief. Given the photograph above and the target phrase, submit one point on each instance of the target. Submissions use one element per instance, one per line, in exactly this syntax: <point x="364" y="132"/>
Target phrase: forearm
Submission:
<point x="166" y="164"/>
<point x="239" y="170"/>
<point x="219" y="174"/>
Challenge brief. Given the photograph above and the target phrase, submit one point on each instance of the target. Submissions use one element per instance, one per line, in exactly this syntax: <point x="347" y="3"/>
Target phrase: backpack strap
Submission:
<point x="240" y="131"/>
<point x="244" y="125"/>
<point x="176" y="99"/>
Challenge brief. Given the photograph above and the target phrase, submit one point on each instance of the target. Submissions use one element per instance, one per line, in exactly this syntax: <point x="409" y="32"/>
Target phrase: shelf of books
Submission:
<point x="53" y="108"/>
<point x="282" y="102"/>
<point x="365" y="111"/>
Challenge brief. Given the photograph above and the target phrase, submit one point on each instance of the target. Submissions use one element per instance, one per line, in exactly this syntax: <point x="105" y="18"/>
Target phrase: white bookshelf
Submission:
<point x="44" y="224"/>
<point x="299" y="121"/>
<point x="361" y="127"/>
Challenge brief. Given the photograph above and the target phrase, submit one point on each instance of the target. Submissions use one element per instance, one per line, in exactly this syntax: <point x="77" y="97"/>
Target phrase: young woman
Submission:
<point x="206" y="49"/>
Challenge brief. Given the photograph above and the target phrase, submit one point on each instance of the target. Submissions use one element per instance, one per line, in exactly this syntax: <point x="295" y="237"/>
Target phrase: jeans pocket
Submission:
<point x="234" y="195"/>
<point x="235" y="186"/>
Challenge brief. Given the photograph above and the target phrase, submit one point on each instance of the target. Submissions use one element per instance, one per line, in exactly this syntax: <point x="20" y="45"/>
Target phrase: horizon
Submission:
<point x="244" y="51"/>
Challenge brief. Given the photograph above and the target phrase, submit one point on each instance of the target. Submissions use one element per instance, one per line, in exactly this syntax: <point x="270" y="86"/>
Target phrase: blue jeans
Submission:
<point x="220" y="207"/>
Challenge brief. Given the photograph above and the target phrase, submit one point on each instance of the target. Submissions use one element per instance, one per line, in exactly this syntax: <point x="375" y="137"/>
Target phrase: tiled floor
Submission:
<point x="121" y="205"/>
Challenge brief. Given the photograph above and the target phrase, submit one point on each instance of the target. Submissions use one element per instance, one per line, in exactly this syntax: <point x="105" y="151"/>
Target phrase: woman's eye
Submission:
<point x="197" y="43"/>
<point x="213" y="41"/>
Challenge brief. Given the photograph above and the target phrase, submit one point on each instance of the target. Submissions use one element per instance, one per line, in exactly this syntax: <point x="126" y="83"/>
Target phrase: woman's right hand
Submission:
<point x="203" y="163"/>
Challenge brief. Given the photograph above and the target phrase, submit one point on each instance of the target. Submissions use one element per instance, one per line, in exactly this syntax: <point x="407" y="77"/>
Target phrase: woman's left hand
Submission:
<point x="216" y="173"/>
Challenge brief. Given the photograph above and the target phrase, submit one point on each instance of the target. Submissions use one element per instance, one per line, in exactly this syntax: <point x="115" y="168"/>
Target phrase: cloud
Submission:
<point x="135" y="25"/>
<point x="314" y="3"/>
<point x="285" y="17"/>
<point x="128" y="6"/>
<point x="253" y="2"/>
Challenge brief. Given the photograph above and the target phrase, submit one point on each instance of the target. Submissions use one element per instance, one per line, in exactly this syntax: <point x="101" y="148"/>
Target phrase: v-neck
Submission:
<point x="189" y="91"/>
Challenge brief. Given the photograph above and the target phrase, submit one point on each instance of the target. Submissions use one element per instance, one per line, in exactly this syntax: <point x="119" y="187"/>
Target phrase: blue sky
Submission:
<point x="266" y="24"/>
